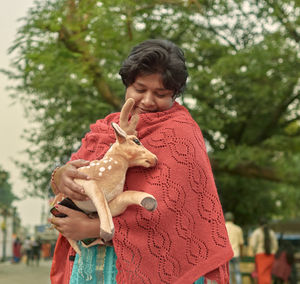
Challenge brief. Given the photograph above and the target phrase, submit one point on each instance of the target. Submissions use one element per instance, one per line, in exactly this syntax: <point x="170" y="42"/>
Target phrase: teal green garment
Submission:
<point x="110" y="270"/>
<point x="84" y="268"/>
<point x="97" y="265"/>
<point x="200" y="281"/>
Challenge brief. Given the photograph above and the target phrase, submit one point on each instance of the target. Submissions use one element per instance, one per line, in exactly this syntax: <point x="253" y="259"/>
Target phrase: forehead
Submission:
<point x="153" y="81"/>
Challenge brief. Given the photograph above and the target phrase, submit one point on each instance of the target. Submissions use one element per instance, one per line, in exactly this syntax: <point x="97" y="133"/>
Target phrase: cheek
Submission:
<point x="166" y="104"/>
<point x="131" y="94"/>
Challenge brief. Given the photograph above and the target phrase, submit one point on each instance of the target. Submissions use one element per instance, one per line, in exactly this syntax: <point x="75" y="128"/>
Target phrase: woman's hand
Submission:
<point x="77" y="225"/>
<point x="64" y="180"/>
<point x="129" y="126"/>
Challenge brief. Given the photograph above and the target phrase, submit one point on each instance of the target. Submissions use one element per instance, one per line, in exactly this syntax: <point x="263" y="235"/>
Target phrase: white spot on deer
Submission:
<point x="92" y="164"/>
<point x="109" y="167"/>
<point x="116" y="162"/>
<point x="105" y="161"/>
<point x="88" y="167"/>
<point x="100" y="174"/>
<point x="97" y="164"/>
<point x="102" y="169"/>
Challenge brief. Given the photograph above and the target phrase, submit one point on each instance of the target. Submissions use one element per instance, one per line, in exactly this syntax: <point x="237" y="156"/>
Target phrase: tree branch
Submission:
<point x="281" y="108"/>
<point x="250" y="171"/>
<point x="75" y="43"/>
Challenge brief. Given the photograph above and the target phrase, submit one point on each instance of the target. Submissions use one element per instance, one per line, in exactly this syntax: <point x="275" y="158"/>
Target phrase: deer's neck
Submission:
<point x="119" y="159"/>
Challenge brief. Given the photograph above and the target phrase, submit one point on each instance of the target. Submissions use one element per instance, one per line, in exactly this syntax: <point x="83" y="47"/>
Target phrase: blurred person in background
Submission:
<point x="17" y="250"/>
<point x="36" y="251"/>
<point x="264" y="245"/>
<point x="27" y="248"/>
<point x="284" y="261"/>
<point x="236" y="239"/>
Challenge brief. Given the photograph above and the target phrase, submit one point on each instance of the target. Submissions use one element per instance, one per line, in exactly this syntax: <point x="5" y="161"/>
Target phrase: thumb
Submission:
<point x="79" y="163"/>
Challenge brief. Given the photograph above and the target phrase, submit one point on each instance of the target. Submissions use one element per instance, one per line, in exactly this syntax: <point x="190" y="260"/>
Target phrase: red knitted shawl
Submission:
<point x="185" y="237"/>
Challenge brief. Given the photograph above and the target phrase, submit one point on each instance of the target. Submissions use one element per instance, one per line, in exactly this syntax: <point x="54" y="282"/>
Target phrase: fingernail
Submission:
<point x="82" y="191"/>
<point x="56" y="206"/>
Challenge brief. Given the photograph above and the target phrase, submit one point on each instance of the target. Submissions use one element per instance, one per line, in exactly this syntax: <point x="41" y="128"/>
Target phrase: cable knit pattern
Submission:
<point x="185" y="238"/>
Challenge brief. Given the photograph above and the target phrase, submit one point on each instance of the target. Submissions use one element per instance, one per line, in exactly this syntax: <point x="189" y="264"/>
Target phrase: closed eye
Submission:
<point x="136" y="141"/>
<point x="140" y="90"/>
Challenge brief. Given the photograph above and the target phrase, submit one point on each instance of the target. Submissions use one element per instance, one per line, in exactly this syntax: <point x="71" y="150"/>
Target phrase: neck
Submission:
<point x="117" y="157"/>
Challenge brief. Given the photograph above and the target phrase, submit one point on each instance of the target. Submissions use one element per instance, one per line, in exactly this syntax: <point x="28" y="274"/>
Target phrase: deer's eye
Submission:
<point x="136" y="141"/>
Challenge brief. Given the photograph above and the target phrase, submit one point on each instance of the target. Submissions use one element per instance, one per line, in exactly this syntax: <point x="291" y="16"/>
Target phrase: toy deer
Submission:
<point x="107" y="178"/>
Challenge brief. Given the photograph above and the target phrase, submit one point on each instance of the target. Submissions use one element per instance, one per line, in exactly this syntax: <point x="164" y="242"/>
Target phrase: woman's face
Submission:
<point x="150" y="94"/>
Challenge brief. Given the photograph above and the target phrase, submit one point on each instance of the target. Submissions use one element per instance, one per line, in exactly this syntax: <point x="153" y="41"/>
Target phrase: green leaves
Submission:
<point x="243" y="61"/>
<point x="7" y="196"/>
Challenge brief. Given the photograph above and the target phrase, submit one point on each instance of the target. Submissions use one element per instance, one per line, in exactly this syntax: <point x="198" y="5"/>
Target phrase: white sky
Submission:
<point x="12" y="121"/>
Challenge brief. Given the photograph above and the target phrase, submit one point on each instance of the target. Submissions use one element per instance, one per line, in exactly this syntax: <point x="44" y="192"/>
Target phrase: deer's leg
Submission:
<point x="119" y="204"/>
<point x="74" y="246"/>
<point x="97" y="196"/>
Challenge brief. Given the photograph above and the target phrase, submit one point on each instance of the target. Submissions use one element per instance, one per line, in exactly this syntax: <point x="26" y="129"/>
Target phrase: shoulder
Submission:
<point x="105" y="123"/>
<point x="175" y="121"/>
<point x="272" y="233"/>
<point x="256" y="232"/>
<point x="238" y="228"/>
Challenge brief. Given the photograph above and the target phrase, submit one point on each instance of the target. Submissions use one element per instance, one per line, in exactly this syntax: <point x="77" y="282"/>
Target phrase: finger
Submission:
<point x="73" y="186"/>
<point x="125" y="111"/>
<point x="66" y="210"/>
<point x="54" y="222"/>
<point x="50" y="221"/>
<point x="79" y="175"/>
<point x="80" y="196"/>
<point x="74" y="173"/>
<point x="134" y="121"/>
<point x="79" y="163"/>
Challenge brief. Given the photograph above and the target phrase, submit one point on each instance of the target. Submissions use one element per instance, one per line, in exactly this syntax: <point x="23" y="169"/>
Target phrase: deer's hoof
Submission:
<point x="149" y="203"/>
<point x="106" y="236"/>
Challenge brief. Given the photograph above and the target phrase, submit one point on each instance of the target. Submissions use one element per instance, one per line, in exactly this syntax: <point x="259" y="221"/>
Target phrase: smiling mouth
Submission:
<point x="141" y="110"/>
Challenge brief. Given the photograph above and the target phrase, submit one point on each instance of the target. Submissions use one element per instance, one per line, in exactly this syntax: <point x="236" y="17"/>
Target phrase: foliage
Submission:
<point x="7" y="196"/>
<point x="243" y="61"/>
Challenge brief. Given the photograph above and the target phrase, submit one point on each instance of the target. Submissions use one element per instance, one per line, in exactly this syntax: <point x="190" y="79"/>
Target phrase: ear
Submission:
<point x="120" y="133"/>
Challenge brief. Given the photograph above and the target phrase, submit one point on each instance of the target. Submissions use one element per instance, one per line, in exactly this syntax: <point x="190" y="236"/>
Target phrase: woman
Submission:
<point x="185" y="238"/>
<point x="263" y="243"/>
<point x="283" y="263"/>
<point x="17" y="245"/>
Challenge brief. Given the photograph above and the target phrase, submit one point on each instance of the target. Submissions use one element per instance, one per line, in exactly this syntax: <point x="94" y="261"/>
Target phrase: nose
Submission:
<point x="152" y="160"/>
<point x="147" y="100"/>
<point x="155" y="160"/>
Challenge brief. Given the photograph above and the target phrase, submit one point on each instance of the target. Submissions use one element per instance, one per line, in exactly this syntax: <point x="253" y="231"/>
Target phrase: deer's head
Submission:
<point x="130" y="147"/>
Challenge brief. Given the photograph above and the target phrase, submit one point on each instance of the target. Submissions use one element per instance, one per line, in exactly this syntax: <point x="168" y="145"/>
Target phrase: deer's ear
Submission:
<point x="120" y="133"/>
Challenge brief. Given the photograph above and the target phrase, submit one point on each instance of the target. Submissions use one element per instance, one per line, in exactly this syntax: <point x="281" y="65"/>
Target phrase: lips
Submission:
<point x="142" y="110"/>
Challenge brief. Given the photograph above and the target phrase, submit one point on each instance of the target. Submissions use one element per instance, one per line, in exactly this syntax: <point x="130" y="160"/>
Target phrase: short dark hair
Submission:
<point x="229" y="216"/>
<point x="156" y="56"/>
